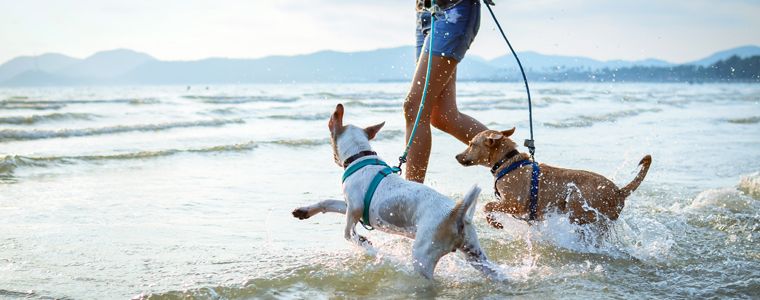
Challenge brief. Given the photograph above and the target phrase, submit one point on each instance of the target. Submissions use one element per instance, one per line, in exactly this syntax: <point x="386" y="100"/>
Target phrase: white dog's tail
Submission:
<point x="465" y="209"/>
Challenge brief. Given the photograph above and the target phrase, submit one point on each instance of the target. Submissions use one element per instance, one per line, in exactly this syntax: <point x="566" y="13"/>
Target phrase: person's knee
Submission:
<point x="410" y="109"/>
<point x="439" y="121"/>
<point x="444" y="120"/>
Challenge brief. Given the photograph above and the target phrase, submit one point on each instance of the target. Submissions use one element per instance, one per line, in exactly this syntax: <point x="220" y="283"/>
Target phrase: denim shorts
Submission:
<point x="454" y="34"/>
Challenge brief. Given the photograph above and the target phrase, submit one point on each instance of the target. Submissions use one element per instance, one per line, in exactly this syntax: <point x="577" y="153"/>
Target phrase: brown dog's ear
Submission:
<point x="492" y="138"/>
<point x="336" y="120"/>
<point x="372" y="130"/>
<point x="508" y="133"/>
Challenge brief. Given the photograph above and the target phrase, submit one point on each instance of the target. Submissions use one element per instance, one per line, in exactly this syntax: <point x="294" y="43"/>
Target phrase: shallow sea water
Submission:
<point x="165" y="192"/>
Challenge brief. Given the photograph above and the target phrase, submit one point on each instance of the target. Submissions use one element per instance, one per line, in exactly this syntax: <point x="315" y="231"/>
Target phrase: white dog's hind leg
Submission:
<point x="325" y="206"/>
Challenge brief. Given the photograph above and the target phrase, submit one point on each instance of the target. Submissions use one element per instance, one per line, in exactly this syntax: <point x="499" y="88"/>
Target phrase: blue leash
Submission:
<point x="528" y="143"/>
<point x="402" y="159"/>
<point x="434" y="10"/>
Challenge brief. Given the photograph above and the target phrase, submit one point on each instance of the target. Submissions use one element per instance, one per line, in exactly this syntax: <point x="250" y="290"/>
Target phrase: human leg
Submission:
<point x="446" y="116"/>
<point x="441" y="69"/>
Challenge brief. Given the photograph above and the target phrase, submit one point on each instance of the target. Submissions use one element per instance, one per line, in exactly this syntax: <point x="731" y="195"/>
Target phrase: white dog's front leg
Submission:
<point x="325" y="206"/>
<point x="476" y="256"/>
<point x="352" y="217"/>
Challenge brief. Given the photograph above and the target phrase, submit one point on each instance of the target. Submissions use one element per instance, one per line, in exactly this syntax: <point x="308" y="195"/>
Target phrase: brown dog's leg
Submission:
<point x="489" y="208"/>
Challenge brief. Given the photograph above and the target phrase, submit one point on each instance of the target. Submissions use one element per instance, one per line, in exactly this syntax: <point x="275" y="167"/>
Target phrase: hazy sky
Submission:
<point x="673" y="30"/>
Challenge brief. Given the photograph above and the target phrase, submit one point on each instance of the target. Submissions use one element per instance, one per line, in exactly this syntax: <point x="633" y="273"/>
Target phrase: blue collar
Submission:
<point x="533" y="184"/>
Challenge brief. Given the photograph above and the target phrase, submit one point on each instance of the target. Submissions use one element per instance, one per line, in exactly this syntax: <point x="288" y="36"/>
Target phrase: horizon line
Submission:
<point x="361" y="51"/>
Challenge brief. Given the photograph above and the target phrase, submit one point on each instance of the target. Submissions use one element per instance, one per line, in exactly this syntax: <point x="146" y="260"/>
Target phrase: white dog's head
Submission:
<point x="349" y="140"/>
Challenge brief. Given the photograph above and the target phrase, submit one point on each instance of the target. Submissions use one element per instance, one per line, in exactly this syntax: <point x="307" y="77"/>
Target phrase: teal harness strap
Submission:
<point x="370" y="192"/>
<point x="372" y="186"/>
<point x="356" y="166"/>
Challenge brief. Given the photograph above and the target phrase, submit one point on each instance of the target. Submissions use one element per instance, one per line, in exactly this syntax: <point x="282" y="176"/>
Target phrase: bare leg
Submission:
<point x="447" y="118"/>
<point x="440" y="99"/>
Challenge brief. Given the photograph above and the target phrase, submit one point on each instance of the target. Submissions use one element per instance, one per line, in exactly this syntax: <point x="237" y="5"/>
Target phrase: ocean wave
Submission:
<point x="223" y="111"/>
<point x="629" y="98"/>
<point x="724" y="200"/>
<point x="375" y="104"/>
<point x="35" y="106"/>
<point x="239" y="99"/>
<point x="11" y="162"/>
<point x="382" y="135"/>
<point x="302" y="142"/>
<point x="15" y="135"/>
<point x="512" y="103"/>
<point x="610" y="117"/>
<point x="480" y="94"/>
<point x="304" y="117"/>
<point x="44" y="118"/>
<point x="359" y="96"/>
<point x="555" y="92"/>
<point x="75" y="101"/>
<point x="750" y="120"/>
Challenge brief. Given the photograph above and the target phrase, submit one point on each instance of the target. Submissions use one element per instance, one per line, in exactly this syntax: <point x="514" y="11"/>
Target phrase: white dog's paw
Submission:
<point x="301" y="213"/>
<point x="362" y="240"/>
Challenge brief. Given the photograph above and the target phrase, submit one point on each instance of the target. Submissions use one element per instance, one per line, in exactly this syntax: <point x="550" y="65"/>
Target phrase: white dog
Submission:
<point x="438" y="224"/>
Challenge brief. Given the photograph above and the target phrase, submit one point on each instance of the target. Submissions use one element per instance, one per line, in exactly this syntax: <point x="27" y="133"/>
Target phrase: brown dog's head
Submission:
<point x="348" y="140"/>
<point x="487" y="147"/>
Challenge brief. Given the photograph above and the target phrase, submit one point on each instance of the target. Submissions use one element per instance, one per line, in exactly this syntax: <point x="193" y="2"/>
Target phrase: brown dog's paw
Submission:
<point x="490" y="206"/>
<point x="301" y="213"/>
<point x="493" y="222"/>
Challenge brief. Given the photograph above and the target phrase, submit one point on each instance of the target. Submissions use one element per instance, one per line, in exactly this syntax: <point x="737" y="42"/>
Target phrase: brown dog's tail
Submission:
<point x="644" y="163"/>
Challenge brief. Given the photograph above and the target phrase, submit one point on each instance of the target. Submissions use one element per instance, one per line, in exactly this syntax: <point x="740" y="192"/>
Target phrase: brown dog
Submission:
<point x="585" y="196"/>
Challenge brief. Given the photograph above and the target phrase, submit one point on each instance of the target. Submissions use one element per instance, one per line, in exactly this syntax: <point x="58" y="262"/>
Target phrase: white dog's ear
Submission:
<point x="372" y="130"/>
<point x="508" y="133"/>
<point x="336" y="120"/>
<point x="465" y="209"/>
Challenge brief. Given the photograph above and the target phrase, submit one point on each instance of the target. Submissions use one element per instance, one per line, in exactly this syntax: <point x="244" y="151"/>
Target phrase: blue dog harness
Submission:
<point x="533" y="182"/>
<point x="375" y="181"/>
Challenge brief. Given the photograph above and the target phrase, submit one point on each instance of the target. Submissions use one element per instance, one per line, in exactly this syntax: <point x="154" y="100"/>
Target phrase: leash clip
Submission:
<point x="401" y="161"/>
<point x="437" y="12"/>
<point x="531" y="147"/>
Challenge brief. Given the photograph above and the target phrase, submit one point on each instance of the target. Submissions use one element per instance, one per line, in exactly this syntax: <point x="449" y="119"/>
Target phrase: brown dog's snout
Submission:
<point x="462" y="159"/>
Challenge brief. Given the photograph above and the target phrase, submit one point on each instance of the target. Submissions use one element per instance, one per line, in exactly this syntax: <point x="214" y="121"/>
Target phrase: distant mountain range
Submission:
<point x="127" y="67"/>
